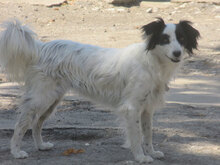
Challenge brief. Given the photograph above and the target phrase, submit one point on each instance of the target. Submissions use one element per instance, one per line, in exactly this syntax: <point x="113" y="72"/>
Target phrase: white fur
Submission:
<point x="131" y="81"/>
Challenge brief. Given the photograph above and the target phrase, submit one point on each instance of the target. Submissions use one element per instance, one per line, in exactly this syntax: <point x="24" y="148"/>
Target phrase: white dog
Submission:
<point x="132" y="80"/>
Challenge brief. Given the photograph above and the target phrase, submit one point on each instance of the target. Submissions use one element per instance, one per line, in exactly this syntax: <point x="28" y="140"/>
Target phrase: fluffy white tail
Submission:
<point x="18" y="49"/>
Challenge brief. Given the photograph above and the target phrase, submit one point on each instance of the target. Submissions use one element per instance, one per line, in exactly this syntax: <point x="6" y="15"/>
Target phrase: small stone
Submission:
<point x="110" y="9"/>
<point x="120" y="9"/>
<point x="149" y="10"/>
<point x="87" y="144"/>
<point x="217" y="10"/>
<point x="183" y="5"/>
<point x="95" y="9"/>
<point x="173" y="12"/>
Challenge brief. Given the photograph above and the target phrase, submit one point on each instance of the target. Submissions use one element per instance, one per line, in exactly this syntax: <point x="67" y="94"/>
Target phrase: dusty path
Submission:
<point x="187" y="130"/>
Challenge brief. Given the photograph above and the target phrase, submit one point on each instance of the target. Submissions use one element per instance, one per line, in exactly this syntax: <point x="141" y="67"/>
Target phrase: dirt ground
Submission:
<point x="187" y="130"/>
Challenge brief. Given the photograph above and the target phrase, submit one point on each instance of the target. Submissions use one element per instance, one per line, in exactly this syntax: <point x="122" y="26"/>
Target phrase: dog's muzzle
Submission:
<point x="173" y="60"/>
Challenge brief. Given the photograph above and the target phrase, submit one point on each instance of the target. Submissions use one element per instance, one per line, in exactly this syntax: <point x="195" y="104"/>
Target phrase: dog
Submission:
<point x="131" y="81"/>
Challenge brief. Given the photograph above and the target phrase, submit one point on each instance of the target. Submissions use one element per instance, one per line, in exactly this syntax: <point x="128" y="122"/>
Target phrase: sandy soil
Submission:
<point x="187" y="130"/>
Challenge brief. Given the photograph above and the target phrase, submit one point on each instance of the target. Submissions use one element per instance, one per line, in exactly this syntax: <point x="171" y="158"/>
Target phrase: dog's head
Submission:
<point x="170" y="41"/>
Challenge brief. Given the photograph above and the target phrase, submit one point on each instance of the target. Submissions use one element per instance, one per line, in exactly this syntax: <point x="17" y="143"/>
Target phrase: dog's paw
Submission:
<point x="20" y="154"/>
<point x="45" y="146"/>
<point x="157" y="154"/>
<point x="144" y="159"/>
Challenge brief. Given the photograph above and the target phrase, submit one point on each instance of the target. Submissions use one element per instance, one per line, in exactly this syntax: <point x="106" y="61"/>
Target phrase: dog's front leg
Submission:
<point x="134" y="134"/>
<point x="146" y="124"/>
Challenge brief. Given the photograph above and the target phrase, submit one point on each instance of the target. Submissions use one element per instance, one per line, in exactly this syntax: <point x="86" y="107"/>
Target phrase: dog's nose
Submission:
<point x="177" y="53"/>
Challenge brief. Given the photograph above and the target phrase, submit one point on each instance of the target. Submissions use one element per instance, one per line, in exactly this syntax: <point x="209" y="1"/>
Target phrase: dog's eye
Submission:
<point x="164" y="39"/>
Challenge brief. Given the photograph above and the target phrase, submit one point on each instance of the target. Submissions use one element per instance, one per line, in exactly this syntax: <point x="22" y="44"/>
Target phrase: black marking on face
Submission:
<point x="180" y="35"/>
<point x="164" y="39"/>
<point x="181" y="39"/>
<point x="187" y="36"/>
<point x="154" y="30"/>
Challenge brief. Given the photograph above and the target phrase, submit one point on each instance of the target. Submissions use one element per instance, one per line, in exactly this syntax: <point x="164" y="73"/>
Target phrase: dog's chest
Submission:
<point x="154" y="97"/>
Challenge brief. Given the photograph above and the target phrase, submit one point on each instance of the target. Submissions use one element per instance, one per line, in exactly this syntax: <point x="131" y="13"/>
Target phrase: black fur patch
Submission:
<point x="187" y="35"/>
<point x="154" y="29"/>
<point x="164" y="39"/>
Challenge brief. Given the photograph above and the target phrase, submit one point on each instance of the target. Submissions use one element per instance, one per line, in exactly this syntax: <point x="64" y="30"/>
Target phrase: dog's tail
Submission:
<point x="18" y="49"/>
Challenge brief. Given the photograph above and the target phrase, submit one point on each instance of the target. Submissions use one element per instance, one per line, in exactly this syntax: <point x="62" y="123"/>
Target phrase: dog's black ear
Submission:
<point x="153" y="30"/>
<point x="192" y="36"/>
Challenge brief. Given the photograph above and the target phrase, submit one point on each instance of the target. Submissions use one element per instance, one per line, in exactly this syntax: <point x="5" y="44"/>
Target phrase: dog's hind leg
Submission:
<point x="146" y="124"/>
<point x="37" y="127"/>
<point x="37" y="100"/>
<point x="21" y="127"/>
<point x="134" y="134"/>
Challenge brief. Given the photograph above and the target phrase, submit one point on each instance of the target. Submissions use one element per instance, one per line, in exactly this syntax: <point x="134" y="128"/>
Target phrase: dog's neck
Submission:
<point x="166" y="70"/>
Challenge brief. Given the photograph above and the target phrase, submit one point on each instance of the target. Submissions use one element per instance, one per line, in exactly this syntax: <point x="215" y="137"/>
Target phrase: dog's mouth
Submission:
<point x="173" y="60"/>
